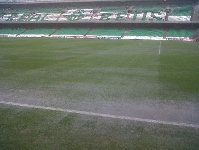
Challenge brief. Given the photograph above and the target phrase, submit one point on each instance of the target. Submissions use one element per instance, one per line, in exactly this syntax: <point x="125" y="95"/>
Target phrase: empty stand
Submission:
<point x="108" y="32"/>
<point x="114" y="9"/>
<point x="99" y="20"/>
<point x="11" y="31"/>
<point x="181" y="10"/>
<point x="71" y="31"/>
<point x="153" y="8"/>
<point x="50" y="10"/>
<point x="145" y="32"/>
<point x="134" y="13"/>
<point x="39" y="31"/>
<point x="180" y="33"/>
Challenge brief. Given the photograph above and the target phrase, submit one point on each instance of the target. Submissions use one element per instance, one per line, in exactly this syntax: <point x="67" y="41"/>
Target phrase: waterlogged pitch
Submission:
<point x="140" y="79"/>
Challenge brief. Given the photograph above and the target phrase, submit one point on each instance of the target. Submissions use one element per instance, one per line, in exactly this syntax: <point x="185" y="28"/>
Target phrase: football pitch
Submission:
<point x="98" y="94"/>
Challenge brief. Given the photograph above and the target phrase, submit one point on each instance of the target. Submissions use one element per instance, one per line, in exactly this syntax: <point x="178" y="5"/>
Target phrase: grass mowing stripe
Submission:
<point x="102" y="115"/>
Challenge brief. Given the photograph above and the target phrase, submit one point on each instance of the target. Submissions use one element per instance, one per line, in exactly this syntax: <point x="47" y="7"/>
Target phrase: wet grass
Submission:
<point x="41" y="129"/>
<point x="54" y="72"/>
<point x="101" y="69"/>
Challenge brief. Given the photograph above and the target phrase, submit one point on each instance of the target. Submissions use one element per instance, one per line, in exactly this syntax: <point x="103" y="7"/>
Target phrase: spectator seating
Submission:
<point x="11" y="31"/>
<point x="180" y="33"/>
<point x="181" y="10"/>
<point x="145" y="32"/>
<point x="50" y="10"/>
<point x="139" y="13"/>
<point x="107" y="32"/>
<point x="71" y="31"/>
<point x="39" y="31"/>
<point x="154" y="8"/>
<point x="120" y="9"/>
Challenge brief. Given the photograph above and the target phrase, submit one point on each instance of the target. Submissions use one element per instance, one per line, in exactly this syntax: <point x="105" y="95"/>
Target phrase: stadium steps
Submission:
<point x="90" y="30"/>
<point x="195" y="35"/>
<point x="127" y="17"/>
<point x="165" y="34"/>
<point x="21" y="32"/>
<point x="53" y="32"/>
<point x="125" y="31"/>
<point x="93" y="15"/>
<point x="60" y="16"/>
<point x="28" y="18"/>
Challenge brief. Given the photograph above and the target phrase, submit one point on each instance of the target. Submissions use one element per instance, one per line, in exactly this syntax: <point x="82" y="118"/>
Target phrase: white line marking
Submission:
<point x="159" y="47"/>
<point x="102" y="115"/>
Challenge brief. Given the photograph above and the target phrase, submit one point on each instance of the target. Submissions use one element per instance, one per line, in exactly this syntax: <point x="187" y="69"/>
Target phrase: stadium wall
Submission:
<point x="101" y="24"/>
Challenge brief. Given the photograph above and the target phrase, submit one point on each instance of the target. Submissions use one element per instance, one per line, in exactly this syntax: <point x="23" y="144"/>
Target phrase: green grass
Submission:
<point x="95" y="76"/>
<point x="93" y="69"/>
<point x="36" y="129"/>
<point x="179" y="69"/>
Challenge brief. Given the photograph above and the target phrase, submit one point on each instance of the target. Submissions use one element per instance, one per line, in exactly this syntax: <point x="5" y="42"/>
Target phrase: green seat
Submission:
<point x="39" y="31"/>
<point x="11" y="31"/>
<point x="145" y="8"/>
<point x="50" y="10"/>
<point x="181" y="10"/>
<point x="108" y="32"/>
<point x="71" y="31"/>
<point x="119" y="9"/>
<point x="145" y="32"/>
<point x="180" y="33"/>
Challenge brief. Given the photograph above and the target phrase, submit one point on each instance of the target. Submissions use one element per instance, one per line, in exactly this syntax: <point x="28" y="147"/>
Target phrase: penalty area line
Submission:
<point x="101" y="115"/>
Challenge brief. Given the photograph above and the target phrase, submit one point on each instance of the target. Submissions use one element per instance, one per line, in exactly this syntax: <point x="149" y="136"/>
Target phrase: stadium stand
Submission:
<point x="153" y="8"/>
<point x="11" y="31"/>
<point x="50" y="10"/>
<point x="136" y="13"/>
<point x="181" y="10"/>
<point x="121" y="9"/>
<point x="71" y="31"/>
<point x="180" y="13"/>
<point x="76" y="14"/>
<point x="145" y="32"/>
<point x="107" y="32"/>
<point x="39" y="31"/>
<point x="97" y="14"/>
<point x="180" y="33"/>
